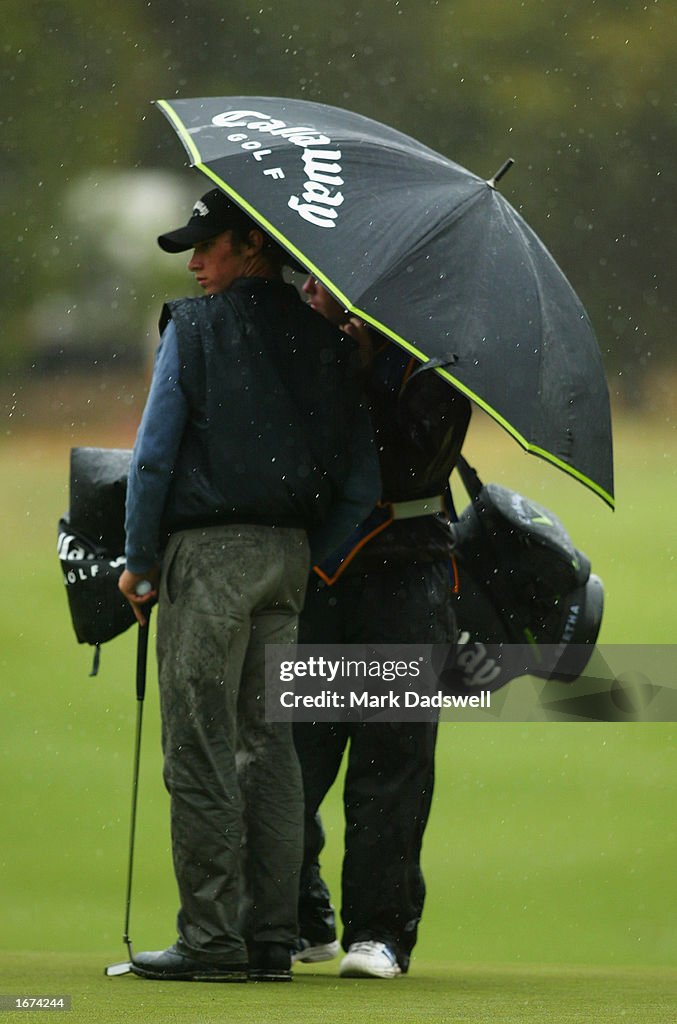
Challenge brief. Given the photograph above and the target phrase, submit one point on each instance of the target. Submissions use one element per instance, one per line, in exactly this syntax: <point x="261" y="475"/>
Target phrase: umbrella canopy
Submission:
<point x="426" y="252"/>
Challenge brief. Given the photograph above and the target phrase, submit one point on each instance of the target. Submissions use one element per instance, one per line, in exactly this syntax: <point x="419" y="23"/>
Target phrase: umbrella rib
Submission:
<point x="400" y="260"/>
<point x="527" y="238"/>
<point x="535" y="277"/>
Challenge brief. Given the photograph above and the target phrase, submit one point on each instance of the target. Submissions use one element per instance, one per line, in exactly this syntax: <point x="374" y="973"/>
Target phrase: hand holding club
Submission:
<point x="140" y="589"/>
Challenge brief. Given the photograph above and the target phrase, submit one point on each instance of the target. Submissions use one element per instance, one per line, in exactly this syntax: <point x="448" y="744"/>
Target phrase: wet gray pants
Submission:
<point x="227" y="591"/>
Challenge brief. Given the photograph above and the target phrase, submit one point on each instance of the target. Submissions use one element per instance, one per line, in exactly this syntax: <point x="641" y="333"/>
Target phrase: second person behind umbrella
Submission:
<point x="388" y="584"/>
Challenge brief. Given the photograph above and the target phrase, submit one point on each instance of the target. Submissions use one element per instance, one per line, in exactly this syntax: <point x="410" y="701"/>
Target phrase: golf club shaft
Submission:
<point x="142" y="658"/>
<point x="141" y="661"/>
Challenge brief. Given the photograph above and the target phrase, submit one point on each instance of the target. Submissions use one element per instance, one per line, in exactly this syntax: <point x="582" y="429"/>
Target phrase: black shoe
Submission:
<point x="269" y="961"/>
<point x="170" y="965"/>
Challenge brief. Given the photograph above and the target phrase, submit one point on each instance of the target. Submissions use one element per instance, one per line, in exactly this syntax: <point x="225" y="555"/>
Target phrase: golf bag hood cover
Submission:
<point x="91" y="544"/>
<point x="527" y="602"/>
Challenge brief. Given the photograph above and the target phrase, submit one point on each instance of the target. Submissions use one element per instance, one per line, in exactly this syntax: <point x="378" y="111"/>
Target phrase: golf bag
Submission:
<point x="91" y="545"/>
<point x="527" y="603"/>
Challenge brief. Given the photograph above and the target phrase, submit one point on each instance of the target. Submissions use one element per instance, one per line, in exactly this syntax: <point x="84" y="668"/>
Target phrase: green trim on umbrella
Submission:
<point x="532" y="449"/>
<point x="183" y="132"/>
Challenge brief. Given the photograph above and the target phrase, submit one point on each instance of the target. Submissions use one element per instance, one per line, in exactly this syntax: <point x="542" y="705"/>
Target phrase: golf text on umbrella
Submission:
<point x="323" y="172"/>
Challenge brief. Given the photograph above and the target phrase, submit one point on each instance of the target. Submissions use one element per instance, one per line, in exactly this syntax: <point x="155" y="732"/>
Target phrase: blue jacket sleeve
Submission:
<point x="360" y="493"/>
<point x="157" y="444"/>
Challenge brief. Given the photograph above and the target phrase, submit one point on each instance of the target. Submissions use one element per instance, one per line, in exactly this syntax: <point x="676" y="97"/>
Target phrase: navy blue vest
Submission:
<point x="272" y="390"/>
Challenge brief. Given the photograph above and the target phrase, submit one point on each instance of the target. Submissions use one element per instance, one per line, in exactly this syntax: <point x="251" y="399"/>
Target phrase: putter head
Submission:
<point x="113" y="970"/>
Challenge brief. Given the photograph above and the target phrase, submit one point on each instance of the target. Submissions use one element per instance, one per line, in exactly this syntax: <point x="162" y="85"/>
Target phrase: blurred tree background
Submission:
<point x="582" y="93"/>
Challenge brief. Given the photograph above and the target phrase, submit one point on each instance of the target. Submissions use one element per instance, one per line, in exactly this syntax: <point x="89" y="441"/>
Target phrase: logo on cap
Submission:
<point x="200" y="209"/>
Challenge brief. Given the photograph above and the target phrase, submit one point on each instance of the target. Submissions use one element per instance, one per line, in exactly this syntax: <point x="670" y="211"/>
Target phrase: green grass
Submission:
<point x="449" y="993"/>
<point x="549" y="844"/>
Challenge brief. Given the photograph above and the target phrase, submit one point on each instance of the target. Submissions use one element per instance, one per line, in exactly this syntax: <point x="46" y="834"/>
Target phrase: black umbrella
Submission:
<point x="425" y="251"/>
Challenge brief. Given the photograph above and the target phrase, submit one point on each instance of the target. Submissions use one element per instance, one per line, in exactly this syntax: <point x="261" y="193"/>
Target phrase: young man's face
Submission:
<point x="217" y="262"/>
<point x="322" y="302"/>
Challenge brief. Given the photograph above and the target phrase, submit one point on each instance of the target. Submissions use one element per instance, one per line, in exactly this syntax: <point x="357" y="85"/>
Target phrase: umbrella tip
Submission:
<point x="503" y="169"/>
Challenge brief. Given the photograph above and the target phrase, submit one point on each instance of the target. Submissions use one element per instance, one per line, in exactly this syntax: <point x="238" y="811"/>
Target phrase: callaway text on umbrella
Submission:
<point x="428" y="253"/>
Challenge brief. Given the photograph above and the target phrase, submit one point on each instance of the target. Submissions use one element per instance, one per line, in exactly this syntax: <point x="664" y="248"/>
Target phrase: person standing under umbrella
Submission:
<point x="252" y="445"/>
<point x="389" y="583"/>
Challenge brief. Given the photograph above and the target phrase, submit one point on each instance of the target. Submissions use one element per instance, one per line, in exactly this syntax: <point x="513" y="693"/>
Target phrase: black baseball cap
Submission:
<point x="213" y="213"/>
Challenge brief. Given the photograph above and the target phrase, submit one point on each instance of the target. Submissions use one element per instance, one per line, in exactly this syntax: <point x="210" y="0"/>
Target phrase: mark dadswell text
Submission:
<point x="411" y="699"/>
<point x="391" y="699"/>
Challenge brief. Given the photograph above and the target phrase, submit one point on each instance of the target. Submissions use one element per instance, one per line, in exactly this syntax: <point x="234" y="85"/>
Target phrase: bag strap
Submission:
<point x="96" y="661"/>
<point x="471" y="482"/>
<point x="470" y="478"/>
